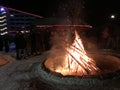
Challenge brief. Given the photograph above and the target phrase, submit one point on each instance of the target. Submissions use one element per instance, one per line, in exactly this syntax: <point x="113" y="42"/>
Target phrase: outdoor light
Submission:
<point x="112" y="16"/>
<point x="2" y="9"/>
<point x="11" y="15"/>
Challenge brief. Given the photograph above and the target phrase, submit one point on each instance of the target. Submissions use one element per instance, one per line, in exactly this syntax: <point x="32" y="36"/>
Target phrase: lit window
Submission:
<point x="11" y="15"/>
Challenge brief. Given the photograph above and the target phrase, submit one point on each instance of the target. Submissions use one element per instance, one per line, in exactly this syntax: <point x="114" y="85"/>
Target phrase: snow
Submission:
<point x="55" y="80"/>
<point x="29" y="75"/>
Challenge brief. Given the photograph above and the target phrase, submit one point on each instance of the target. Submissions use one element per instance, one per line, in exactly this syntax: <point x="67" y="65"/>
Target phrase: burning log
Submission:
<point x="75" y="61"/>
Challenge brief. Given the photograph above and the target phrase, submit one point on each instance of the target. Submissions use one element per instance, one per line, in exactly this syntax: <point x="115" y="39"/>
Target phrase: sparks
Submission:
<point x="75" y="61"/>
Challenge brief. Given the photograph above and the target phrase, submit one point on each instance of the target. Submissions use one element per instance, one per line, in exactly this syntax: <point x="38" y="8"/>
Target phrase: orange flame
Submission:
<point x="76" y="60"/>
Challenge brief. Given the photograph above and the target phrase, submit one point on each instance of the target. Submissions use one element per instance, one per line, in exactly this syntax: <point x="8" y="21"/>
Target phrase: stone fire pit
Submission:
<point x="109" y="64"/>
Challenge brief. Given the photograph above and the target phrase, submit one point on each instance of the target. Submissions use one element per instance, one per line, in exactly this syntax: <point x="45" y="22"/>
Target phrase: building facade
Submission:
<point x="12" y="20"/>
<point x="3" y="21"/>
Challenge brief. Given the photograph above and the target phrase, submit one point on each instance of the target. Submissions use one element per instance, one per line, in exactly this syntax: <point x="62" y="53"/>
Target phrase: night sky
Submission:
<point x="97" y="11"/>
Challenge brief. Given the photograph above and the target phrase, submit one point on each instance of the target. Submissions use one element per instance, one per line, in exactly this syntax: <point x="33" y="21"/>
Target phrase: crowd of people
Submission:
<point x="33" y="43"/>
<point x="36" y="42"/>
<point x="27" y="44"/>
<point x="107" y="38"/>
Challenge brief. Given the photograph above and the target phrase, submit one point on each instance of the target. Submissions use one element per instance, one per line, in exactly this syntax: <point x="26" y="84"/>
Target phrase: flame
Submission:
<point x="75" y="61"/>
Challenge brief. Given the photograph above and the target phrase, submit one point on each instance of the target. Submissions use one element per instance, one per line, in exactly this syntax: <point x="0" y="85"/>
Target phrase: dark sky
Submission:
<point x="97" y="11"/>
<point x="41" y="7"/>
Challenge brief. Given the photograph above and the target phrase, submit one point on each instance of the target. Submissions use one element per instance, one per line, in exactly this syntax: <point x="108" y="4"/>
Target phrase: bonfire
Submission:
<point x="70" y="59"/>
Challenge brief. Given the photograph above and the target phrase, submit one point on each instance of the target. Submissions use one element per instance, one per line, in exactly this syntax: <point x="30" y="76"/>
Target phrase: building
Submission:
<point x="3" y="21"/>
<point x="12" y="20"/>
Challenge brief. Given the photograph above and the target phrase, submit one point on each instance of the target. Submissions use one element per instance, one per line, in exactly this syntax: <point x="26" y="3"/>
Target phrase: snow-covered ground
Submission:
<point x="17" y="75"/>
<point x="14" y="73"/>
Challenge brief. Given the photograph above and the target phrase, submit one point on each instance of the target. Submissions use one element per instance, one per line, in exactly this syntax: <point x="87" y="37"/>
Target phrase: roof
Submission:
<point x="22" y="11"/>
<point x="59" y="22"/>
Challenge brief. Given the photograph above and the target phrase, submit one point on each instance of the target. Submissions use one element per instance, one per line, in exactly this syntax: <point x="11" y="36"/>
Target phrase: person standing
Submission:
<point x="20" y="45"/>
<point x="6" y="43"/>
<point x="33" y="42"/>
<point x="1" y="43"/>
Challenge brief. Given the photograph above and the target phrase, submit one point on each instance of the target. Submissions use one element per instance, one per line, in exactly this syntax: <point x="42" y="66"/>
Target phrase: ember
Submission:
<point x="74" y="61"/>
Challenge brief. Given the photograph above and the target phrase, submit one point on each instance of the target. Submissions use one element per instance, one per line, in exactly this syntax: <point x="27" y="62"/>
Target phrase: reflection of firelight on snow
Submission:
<point x="76" y="62"/>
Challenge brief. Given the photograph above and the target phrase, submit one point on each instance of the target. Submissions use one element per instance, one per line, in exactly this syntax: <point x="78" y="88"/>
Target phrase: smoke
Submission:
<point x="72" y="10"/>
<point x="64" y="36"/>
<point x="60" y="39"/>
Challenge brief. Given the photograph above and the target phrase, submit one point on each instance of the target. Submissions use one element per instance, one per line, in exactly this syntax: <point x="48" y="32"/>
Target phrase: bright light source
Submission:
<point x="2" y="9"/>
<point x="112" y="16"/>
<point x="11" y="15"/>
